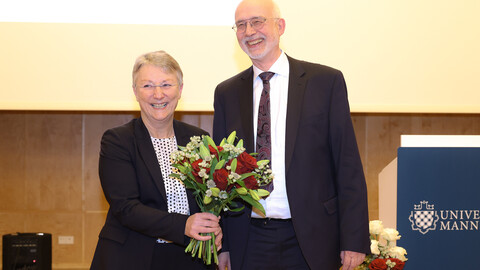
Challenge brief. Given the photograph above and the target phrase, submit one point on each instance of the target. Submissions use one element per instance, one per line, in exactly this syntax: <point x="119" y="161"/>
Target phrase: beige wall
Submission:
<point x="48" y="168"/>
<point x="397" y="56"/>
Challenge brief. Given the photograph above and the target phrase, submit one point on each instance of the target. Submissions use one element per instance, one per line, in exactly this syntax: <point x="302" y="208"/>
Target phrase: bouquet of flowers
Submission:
<point x="219" y="175"/>
<point x="385" y="254"/>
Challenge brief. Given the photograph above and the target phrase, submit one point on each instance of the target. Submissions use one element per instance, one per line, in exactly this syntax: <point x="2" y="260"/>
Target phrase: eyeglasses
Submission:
<point x="164" y="86"/>
<point x="256" y="23"/>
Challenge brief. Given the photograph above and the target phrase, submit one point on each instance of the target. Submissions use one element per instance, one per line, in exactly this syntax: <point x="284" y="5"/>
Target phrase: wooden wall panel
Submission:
<point x="53" y="153"/>
<point x="49" y="168"/>
<point x="12" y="162"/>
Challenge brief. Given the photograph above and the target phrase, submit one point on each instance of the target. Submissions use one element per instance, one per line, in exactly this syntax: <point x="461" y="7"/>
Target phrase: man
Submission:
<point x="317" y="214"/>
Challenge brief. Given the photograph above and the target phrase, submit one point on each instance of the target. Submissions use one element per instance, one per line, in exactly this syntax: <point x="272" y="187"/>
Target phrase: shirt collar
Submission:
<point x="280" y="67"/>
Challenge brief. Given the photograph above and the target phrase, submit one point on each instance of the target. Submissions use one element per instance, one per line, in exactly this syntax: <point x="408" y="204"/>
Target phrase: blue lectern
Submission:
<point x="438" y="207"/>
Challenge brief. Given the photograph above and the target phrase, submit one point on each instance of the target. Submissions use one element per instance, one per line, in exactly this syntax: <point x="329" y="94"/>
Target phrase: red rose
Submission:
<point x="220" y="177"/>
<point x="195" y="165"/>
<point x="213" y="151"/>
<point x="378" y="264"/>
<point x="196" y="169"/>
<point x="250" y="182"/>
<point x="245" y="163"/>
<point x="398" y="264"/>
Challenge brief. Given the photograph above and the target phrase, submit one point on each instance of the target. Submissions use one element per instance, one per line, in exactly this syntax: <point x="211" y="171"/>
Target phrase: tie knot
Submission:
<point x="266" y="76"/>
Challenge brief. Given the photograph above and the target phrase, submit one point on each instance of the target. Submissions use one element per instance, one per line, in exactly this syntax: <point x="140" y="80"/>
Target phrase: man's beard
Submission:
<point x="268" y="47"/>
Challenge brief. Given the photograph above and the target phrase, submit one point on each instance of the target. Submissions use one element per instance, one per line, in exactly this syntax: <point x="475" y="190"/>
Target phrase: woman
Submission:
<point x="151" y="217"/>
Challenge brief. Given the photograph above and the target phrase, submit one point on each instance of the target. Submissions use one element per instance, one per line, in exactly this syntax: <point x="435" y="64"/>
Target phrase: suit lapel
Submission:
<point x="296" y="91"/>
<point x="245" y="98"/>
<point x="183" y="137"/>
<point x="147" y="153"/>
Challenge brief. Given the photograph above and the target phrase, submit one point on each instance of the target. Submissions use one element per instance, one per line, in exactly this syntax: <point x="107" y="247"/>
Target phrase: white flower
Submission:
<point x="398" y="252"/>
<point x="374" y="247"/>
<point x="390" y="264"/>
<point x="211" y="183"/>
<point x="234" y="175"/>
<point x="203" y="173"/>
<point x="208" y="193"/>
<point x="390" y="234"/>
<point x="223" y="194"/>
<point x="204" y="164"/>
<point x="376" y="227"/>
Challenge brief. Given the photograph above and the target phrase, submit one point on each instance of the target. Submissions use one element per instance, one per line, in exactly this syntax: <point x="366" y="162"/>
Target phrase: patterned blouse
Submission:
<point x="176" y="194"/>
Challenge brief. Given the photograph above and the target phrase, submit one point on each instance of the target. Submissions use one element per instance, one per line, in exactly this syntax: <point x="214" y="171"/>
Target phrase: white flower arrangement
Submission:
<point x="385" y="254"/>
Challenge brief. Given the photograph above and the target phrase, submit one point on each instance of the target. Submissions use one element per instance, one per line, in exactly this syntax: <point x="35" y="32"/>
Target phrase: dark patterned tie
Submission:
<point x="263" y="126"/>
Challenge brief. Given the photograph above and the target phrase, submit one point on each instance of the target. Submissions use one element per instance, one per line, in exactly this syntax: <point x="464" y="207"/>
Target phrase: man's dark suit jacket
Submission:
<point x="133" y="185"/>
<point x="324" y="176"/>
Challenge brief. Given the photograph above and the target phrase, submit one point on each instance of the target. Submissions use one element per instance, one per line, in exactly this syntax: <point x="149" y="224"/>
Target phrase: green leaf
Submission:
<point x="254" y="194"/>
<point x="233" y="165"/>
<point x="204" y="152"/>
<point x="263" y="162"/>
<point x="207" y="200"/>
<point x="241" y="183"/>
<point x="259" y="206"/>
<point x="175" y="175"/>
<point x="181" y="168"/>
<point x="216" y="191"/>
<point x="236" y="209"/>
<point x="189" y="184"/>
<point x="241" y="191"/>
<point x="213" y="164"/>
<point x="245" y="175"/>
<point x="220" y="164"/>
<point x="222" y="143"/>
<point x="211" y="142"/>
<point x="240" y="143"/>
<point x="231" y="137"/>
<point x="234" y="204"/>
<point x="262" y="192"/>
<point x="248" y="199"/>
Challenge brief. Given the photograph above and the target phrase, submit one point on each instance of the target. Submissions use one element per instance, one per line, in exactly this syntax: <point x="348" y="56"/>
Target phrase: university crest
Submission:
<point x="424" y="217"/>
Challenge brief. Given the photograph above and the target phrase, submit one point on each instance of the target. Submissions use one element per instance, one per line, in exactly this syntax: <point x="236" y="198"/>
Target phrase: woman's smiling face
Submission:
<point x="157" y="93"/>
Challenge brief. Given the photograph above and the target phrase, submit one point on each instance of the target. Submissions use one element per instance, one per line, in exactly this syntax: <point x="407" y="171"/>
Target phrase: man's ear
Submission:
<point x="281" y="26"/>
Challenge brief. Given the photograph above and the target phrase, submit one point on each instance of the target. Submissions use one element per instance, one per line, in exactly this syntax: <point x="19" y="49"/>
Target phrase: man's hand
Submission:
<point x="218" y="239"/>
<point x="351" y="259"/>
<point x="224" y="261"/>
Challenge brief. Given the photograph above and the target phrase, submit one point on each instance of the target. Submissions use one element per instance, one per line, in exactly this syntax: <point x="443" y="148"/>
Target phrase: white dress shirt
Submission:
<point x="276" y="204"/>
